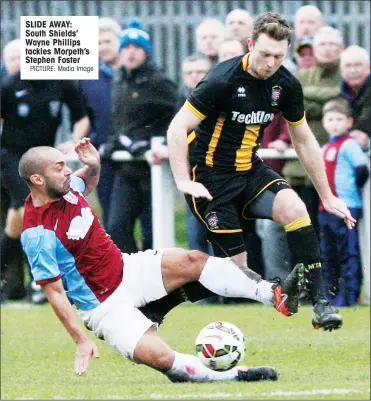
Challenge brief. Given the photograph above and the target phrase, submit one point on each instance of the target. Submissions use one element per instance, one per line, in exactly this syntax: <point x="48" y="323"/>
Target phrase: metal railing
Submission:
<point x="171" y="24"/>
<point x="163" y="204"/>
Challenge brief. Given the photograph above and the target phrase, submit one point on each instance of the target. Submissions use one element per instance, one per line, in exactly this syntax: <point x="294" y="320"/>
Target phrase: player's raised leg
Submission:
<point x="290" y="211"/>
<point x="224" y="277"/>
<point x="152" y="351"/>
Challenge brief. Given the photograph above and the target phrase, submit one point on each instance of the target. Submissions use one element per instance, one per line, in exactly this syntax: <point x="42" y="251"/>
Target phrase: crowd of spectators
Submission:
<point x="133" y="101"/>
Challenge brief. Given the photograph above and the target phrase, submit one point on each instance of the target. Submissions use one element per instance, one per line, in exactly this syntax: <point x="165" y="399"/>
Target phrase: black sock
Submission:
<point x="190" y="292"/>
<point x="304" y="248"/>
<point x="11" y="248"/>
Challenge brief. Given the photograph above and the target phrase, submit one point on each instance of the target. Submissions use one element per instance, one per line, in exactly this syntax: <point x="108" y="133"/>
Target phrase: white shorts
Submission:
<point x="118" y="319"/>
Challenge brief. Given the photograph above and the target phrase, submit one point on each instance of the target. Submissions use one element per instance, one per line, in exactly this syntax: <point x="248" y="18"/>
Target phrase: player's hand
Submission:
<point x="87" y="153"/>
<point x="194" y="188"/>
<point x="337" y="207"/>
<point x="84" y="351"/>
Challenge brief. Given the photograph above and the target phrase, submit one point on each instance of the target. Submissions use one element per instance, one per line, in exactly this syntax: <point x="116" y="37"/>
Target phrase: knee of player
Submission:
<point x="194" y="263"/>
<point x="297" y="210"/>
<point x="163" y="360"/>
<point x="296" y="217"/>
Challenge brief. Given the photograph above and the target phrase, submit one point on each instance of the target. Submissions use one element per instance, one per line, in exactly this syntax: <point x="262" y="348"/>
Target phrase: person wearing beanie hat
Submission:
<point x="134" y="34"/>
<point x="143" y="104"/>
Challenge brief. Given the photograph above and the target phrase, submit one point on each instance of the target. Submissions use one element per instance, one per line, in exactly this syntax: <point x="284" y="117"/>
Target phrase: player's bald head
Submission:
<point x="36" y="159"/>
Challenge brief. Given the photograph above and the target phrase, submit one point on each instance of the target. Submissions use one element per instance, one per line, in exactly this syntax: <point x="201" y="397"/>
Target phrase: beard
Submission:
<point x="54" y="192"/>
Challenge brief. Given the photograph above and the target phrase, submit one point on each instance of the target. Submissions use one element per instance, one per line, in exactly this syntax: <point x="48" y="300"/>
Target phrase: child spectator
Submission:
<point x="347" y="172"/>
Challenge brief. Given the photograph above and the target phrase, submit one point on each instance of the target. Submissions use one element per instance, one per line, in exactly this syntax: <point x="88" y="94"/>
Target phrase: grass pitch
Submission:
<point x="38" y="355"/>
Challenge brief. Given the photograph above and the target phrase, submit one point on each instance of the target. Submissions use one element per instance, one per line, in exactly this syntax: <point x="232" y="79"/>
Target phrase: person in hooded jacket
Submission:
<point x="143" y="104"/>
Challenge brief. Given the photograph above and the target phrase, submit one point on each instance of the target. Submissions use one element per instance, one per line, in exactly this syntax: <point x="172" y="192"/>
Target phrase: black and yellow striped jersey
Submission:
<point x="235" y="108"/>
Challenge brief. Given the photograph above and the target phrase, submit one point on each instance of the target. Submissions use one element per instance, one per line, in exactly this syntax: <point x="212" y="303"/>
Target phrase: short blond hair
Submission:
<point x="109" y="25"/>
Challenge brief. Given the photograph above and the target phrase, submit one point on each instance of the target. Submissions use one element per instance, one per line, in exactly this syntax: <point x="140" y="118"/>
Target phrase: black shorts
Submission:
<point x="11" y="181"/>
<point x="238" y="197"/>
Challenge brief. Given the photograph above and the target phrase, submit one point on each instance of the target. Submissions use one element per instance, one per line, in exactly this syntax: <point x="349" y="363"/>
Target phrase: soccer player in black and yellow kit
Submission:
<point x="212" y="149"/>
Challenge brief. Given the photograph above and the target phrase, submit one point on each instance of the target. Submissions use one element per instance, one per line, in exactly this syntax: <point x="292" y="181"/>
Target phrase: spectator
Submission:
<point x="194" y="68"/>
<point x="347" y="172"/>
<point x="320" y="84"/>
<point x="31" y="111"/>
<point x="210" y="33"/>
<point x="11" y="64"/>
<point x="230" y="48"/>
<point x="12" y="57"/>
<point x="308" y="19"/>
<point x="304" y="56"/>
<point x="97" y="96"/>
<point x="239" y="25"/>
<point x="355" y="88"/>
<point x="143" y="103"/>
<point x="275" y="250"/>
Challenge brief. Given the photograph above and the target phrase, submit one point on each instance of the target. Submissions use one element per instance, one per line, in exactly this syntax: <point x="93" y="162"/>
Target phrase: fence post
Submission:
<point x="163" y="202"/>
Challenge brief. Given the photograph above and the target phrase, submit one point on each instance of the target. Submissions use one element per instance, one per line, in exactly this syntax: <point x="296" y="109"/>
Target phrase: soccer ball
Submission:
<point x="220" y="346"/>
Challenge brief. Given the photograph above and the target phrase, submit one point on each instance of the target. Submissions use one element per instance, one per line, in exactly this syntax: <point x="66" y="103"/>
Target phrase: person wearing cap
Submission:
<point x="320" y="84"/>
<point x="304" y="56"/>
<point x="143" y="104"/>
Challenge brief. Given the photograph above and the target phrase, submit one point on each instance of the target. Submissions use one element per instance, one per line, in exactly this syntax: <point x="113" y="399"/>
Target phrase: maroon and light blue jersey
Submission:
<point x="343" y="156"/>
<point x="65" y="239"/>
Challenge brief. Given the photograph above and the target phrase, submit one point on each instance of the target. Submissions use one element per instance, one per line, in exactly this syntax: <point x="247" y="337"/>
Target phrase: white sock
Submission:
<point x="224" y="277"/>
<point x="188" y="368"/>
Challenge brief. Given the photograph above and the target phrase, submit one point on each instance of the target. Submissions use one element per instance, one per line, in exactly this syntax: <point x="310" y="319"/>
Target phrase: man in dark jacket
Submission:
<point x="355" y="88"/>
<point x="97" y="96"/>
<point x="143" y="104"/>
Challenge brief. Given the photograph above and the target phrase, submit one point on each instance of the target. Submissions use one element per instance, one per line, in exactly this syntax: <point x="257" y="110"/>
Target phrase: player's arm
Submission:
<point x="310" y="156"/>
<point x="41" y="251"/>
<point x="208" y="96"/>
<point x="309" y="151"/>
<point x="183" y="122"/>
<point x="85" y="348"/>
<point x="90" y="173"/>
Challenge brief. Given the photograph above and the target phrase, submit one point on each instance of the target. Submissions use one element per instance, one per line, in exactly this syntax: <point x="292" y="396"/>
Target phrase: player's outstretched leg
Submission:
<point x="152" y="351"/>
<point x="223" y="276"/>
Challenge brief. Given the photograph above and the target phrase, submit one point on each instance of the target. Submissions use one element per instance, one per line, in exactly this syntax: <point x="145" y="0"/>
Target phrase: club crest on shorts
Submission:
<point x="212" y="220"/>
<point x="276" y="92"/>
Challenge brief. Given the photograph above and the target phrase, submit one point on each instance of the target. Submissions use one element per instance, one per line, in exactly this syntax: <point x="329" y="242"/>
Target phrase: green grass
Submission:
<point x="38" y="355"/>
